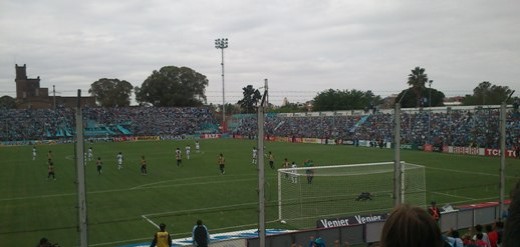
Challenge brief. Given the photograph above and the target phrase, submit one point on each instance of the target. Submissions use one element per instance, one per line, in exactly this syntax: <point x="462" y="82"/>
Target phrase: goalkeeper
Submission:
<point x="310" y="172"/>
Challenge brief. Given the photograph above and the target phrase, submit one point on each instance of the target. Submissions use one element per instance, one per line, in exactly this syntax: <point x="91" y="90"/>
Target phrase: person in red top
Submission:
<point x="480" y="242"/>
<point x="492" y="235"/>
<point x="434" y="211"/>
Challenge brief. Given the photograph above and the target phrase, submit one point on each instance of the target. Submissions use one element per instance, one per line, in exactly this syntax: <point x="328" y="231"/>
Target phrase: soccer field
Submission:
<point x="124" y="206"/>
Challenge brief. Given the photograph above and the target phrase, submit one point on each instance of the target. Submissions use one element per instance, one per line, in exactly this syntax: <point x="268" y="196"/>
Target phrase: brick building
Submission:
<point x="29" y="94"/>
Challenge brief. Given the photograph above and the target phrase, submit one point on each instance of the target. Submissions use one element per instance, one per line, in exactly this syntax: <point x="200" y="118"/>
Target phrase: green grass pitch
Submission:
<point x="123" y="205"/>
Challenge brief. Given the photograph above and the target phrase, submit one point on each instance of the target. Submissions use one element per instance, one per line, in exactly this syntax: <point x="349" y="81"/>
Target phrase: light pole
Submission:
<point x="430" y="111"/>
<point x="222" y="44"/>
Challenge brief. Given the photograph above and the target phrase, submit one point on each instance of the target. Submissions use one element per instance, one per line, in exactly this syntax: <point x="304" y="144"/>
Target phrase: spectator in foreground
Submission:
<point x="410" y="226"/>
<point x="161" y="238"/>
<point x="512" y="227"/>
<point x="200" y="235"/>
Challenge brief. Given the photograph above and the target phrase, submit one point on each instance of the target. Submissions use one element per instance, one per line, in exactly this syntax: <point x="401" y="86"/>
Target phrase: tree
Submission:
<point x="417" y="80"/>
<point x="488" y="94"/>
<point x="7" y="102"/>
<point x="173" y="86"/>
<point x="410" y="99"/>
<point x="250" y="100"/>
<point x="335" y="100"/>
<point x="111" y="92"/>
<point x="291" y="108"/>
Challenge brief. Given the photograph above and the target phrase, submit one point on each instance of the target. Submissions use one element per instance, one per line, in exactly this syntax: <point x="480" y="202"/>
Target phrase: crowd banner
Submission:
<point x="351" y="220"/>
<point x="210" y="136"/>
<point x="312" y="140"/>
<point x="496" y="152"/>
<point x="466" y="150"/>
<point x="148" y="138"/>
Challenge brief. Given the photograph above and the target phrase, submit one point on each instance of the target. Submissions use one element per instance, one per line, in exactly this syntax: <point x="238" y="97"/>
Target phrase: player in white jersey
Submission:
<point x="34" y="152"/>
<point x="90" y="154"/>
<point x="119" y="159"/>
<point x="197" y="146"/>
<point x="294" y="178"/>
<point x="188" y="151"/>
<point x="255" y="155"/>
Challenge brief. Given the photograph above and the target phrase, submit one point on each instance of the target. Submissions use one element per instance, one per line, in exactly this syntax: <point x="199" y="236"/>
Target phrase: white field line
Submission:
<point x="467" y="172"/>
<point x="150" y="221"/>
<point x="176" y="180"/>
<point x="201" y="209"/>
<point x="456" y="196"/>
<point x="126" y="189"/>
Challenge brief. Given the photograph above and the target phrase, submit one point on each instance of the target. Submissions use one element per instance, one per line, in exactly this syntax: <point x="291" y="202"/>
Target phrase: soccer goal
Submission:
<point x="306" y="195"/>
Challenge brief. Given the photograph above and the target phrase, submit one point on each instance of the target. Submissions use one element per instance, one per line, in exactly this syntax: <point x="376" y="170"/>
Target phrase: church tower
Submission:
<point x="27" y="87"/>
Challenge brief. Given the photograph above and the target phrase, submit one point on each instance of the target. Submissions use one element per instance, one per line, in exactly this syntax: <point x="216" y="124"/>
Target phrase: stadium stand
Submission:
<point x="38" y="124"/>
<point x="475" y="126"/>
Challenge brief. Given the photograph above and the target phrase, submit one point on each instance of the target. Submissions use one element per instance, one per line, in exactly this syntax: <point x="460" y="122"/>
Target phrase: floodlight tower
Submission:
<point x="430" y="112"/>
<point x="222" y="44"/>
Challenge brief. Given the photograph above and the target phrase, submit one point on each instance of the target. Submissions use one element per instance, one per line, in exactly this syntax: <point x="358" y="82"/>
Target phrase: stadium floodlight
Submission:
<point x="222" y="44"/>
<point x="430" y="111"/>
<point x="335" y="191"/>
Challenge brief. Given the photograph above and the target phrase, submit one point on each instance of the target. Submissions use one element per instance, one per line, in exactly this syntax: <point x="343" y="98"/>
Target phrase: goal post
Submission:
<point x="307" y="194"/>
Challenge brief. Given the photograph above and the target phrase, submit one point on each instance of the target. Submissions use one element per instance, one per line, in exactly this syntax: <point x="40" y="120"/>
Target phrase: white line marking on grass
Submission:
<point x="150" y="221"/>
<point x="128" y="189"/>
<point x="480" y="200"/>
<point x="467" y="172"/>
<point x="37" y="197"/>
<point x="201" y="209"/>
<point x="463" y="197"/>
<point x="181" y="179"/>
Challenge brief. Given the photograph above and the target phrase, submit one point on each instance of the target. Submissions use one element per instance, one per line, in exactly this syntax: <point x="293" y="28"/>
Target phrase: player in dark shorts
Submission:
<point x="99" y="165"/>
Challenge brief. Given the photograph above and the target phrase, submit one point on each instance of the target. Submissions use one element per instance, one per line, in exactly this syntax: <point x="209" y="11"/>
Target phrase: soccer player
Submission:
<point x="309" y="172"/>
<point x="285" y="165"/>
<point x="119" y="159"/>
<point x="50" y="171"/>
<point x="99" y="165"/>
<point x="221" y="163"/>
<point x="188" y="151"/>
<point x="34" y="153"/>
<point x="178" y="156"/>
<point x="255" y="155"/>
<point x="90" y="153"/>
<point x="197" y="146"/>
<point x="294" y="172"/>
<point x="161" y="238"/>
<point x="144" y="170"/>
<point x="271" y="160"/>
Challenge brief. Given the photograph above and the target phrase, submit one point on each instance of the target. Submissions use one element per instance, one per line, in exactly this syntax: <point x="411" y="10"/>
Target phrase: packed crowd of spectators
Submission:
<point x="478" y="128"/>
<point x="38" y="124"/>
<point x="33" y="124"/>
<point x="155" y="120"/>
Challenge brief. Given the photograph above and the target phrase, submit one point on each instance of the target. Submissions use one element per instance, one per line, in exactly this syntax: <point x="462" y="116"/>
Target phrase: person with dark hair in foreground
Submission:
<point x="161" y="238"/>
<point x="511" y="231"/>
<point x="410" y="226"/>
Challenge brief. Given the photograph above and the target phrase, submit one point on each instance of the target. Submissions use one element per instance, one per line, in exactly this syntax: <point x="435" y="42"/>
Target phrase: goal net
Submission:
<point x="306" y="195"/>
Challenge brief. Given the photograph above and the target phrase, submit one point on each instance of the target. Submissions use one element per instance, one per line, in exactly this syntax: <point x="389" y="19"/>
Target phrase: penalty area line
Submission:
<point x="150" y="221"/>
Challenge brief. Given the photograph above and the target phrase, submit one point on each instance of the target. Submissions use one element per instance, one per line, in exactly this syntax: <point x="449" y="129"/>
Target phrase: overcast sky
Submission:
<point x="301" y="46"/>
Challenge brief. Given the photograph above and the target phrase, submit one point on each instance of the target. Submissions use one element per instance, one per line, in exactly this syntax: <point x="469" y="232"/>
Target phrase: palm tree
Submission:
<point x="417" y="79"/>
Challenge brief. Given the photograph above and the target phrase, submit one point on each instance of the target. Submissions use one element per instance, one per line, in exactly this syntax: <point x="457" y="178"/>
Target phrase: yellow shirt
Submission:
<point x="162" y="239"/>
